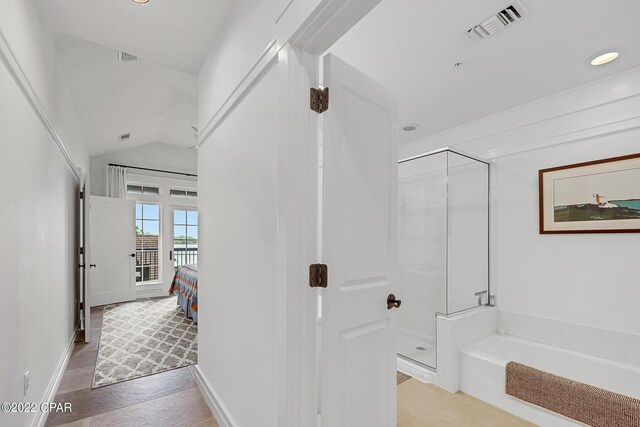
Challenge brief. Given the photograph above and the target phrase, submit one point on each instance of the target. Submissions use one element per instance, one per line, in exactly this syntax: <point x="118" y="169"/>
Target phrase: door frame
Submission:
<point x="299" y="63"/>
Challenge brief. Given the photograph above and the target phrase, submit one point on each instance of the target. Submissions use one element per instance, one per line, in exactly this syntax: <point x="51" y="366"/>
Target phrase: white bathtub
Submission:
<point x="482" y="373"/>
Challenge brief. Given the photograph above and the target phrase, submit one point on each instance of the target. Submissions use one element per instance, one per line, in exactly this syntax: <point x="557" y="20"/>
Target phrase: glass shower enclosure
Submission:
<point x="443" y="245"/>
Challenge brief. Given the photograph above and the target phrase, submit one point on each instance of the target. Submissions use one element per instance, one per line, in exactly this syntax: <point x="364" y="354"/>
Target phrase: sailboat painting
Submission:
<point x="593" y="197"/>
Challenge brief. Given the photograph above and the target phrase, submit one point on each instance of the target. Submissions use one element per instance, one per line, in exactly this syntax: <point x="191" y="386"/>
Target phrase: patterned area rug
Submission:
<point x="141" y="338"/>
<point x="401" y="377"/>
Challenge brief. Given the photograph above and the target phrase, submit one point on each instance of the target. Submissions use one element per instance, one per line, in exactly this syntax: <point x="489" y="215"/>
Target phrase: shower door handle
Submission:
<point x="392" y="302"/>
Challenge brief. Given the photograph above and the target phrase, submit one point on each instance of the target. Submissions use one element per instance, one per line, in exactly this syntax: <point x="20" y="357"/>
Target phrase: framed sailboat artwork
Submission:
<point x="601" y="196"/>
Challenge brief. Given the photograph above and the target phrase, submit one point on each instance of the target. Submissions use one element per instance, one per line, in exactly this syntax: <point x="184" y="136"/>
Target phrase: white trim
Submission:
<point x="13" y="66"/>
<point x="554" y="120"/>
<point x="416" y="371"/>
<point x="220" y="412"/>
<point x="54" y="383"/>
<point x="268" y="56"/>
<point x="151" y="290"/>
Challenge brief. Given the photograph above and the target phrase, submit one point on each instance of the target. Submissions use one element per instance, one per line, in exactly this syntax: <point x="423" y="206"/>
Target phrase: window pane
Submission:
<point x="150" y="190"/>
<point x="192" y="194"/>
<point x="179" y="216"/>
<point x="145" y="273"/>
<point x="192" y="232"/>
<point x="136" y="189"/>
<point x="138" y="274"/>
<point x="138" y="210"/>
<point x="177" y="193"/>
<point x="150" y="211"/>
<point x="138" y="256"/>
<point x="179" y="235"/>
<point x="192" y="217"/>
<point x="150" y="228"/>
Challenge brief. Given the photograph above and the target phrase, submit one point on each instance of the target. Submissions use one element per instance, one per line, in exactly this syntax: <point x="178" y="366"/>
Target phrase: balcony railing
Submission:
<point x="184" y="256"/>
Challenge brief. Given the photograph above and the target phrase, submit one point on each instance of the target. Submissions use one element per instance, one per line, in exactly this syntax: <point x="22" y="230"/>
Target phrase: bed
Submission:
<point x="185" y="287"/>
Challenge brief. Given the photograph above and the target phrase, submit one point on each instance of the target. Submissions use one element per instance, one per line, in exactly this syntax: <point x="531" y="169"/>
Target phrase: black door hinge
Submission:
<point x="81" y="195"/>
<point x="318" y="276"/>
<point x="319" y="99"/>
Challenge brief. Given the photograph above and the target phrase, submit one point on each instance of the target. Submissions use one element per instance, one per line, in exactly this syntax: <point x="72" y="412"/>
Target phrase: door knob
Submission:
<point x="133" y="255"/>
<point x="392" y="302"/>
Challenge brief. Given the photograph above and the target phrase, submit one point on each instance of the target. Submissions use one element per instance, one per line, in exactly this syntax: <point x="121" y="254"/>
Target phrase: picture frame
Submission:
<point x="600" y="196"/>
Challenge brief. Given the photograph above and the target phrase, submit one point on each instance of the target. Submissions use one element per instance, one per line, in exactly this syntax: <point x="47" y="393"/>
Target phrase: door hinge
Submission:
<point x="81" y="195"/>
<point x="318" y="276"/>
<point x="81" y="250"/>
<point x="319" y="99"/>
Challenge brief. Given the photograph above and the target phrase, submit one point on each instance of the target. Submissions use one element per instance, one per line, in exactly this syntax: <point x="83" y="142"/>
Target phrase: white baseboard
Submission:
<point x="210" y="396"/>
<point x="54" y="383"/>
<point x="151" y="291"/>
<point x="416" y="371"/>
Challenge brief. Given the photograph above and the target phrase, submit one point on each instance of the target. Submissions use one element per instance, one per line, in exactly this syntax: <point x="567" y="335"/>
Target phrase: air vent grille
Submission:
<point x="497" y="21"/>
<point x="125" y="57"/>
<point x="124" y="136"/>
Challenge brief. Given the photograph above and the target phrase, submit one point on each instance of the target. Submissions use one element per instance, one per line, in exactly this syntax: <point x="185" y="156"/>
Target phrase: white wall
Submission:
<point x="239" y="256"/>
<point x="38" y="215"/>
<point x="580" y="279"/>
<point x="33" y="48"/>
<point x="255" y="31"/>
<point x="154" y="156"/>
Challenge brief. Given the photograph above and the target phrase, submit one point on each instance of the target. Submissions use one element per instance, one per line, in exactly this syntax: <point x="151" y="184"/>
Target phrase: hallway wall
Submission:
<point x="38" y="213"/>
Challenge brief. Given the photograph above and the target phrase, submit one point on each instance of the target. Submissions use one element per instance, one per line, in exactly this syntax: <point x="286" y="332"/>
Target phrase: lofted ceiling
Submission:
<point x="153" y="102"/>
<point x="411" y="46"/>
<point x="178" y="34"/>
<point x="154" y="98"/>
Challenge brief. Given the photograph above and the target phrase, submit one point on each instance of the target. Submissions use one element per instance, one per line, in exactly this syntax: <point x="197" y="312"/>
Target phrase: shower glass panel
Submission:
<point x="443" y="245"/>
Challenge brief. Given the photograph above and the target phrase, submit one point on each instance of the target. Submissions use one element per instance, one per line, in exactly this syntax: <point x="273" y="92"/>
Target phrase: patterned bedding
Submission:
<point x="185" y="286"/>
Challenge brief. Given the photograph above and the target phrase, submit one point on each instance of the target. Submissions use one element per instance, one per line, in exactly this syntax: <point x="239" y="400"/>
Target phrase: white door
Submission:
<point x="358" y="360"/>
<point x="113" y="250"/>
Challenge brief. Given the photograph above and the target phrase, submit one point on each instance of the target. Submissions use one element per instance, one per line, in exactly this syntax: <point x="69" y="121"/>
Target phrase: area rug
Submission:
<point x="141" y="338"/>
<point x="400" y="377"/>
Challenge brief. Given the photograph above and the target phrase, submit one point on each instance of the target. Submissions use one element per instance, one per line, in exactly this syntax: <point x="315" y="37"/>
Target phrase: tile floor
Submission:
<point x="426" y="405"/>
<point x="166" y="399"/>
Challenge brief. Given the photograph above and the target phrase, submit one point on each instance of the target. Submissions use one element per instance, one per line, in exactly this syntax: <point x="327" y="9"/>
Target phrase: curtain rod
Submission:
<point x="154" y="170"/>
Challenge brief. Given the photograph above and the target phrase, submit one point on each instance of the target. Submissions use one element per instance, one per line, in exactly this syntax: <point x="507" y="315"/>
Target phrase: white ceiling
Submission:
<point x="176" y="33"/>
<point x="154" y="98"/>
<point x="411" y="46"/>
<point x="153" y="102"/>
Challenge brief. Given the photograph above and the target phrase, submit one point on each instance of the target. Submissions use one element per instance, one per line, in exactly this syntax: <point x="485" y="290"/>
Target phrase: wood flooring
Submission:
<point x="166" y="399"/>
<point x="172" y="399"/>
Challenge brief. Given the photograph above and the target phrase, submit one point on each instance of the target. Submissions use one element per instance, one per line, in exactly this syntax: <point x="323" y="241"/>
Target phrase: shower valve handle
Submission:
<point x="392" y="302"/>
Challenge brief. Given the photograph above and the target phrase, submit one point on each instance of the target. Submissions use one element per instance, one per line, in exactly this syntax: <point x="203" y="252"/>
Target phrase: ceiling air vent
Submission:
<point x="126" y="57"/>
<point x="124" y="136"/>
<point x="497" y="21"/>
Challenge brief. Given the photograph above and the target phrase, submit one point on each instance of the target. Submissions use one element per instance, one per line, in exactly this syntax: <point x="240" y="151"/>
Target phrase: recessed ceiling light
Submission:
<point x="410" y="127"/>
<point x="140" y="1"/>
<point x="604" y="58"/>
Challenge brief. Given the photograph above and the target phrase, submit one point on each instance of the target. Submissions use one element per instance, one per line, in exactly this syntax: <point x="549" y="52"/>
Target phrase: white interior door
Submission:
<point x="358" y="356"/>
<point x="112" y="265"/>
